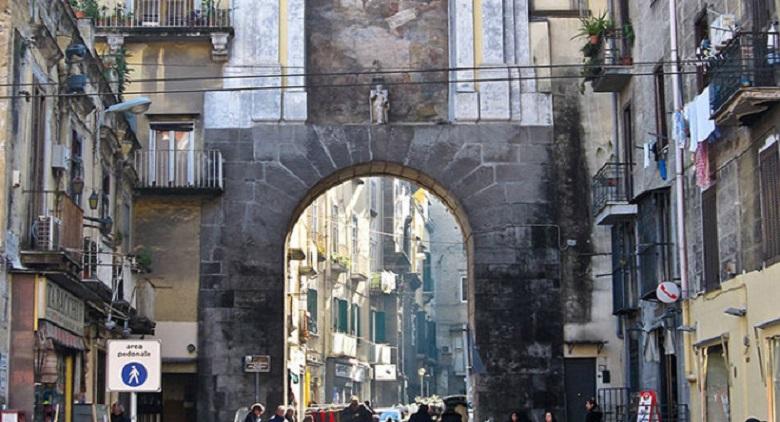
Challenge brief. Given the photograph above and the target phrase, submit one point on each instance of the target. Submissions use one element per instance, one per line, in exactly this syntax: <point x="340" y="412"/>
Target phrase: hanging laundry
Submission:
<point x="647" y="153"/>
<point x="662" y="168"/>
<point x="702" y="162"/>
<point x="699" y="116"/>
<point x="680" y="129"/>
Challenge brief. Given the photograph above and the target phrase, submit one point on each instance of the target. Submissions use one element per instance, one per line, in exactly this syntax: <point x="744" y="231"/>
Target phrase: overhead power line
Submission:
<point x="323" y="86"/>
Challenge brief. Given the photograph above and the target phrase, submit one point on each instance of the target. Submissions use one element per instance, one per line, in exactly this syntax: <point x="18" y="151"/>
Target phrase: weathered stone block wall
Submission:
<point x="496" y="178"/>
<point x="356" y="35"/>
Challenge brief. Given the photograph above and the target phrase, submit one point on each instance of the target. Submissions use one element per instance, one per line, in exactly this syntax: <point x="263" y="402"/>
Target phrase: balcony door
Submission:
<point x="172" y="155"/>
<point x="165" y="12"/>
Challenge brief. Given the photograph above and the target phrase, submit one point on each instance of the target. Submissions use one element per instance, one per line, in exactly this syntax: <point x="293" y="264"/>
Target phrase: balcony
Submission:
<point x="743" y="80"/>
<point x="344" y="345"/>
<point x="180" y="171"/>
<point x="612" y="193"/>
<point x="609" y="70"/>
<point x="155" y="19"/>
<point x="56" y="239"/>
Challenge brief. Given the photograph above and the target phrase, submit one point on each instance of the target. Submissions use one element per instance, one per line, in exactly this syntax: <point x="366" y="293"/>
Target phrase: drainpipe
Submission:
<point x="680" y="188"/>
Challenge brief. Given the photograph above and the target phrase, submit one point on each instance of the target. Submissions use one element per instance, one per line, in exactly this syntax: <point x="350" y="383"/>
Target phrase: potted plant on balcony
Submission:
<point x="594" y="27"/>
<point x="86" y="9"/>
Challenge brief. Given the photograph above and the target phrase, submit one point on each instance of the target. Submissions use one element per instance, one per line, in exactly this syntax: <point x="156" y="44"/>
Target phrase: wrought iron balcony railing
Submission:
<point x="180" y="170"/>
<point x="169" y="14"/>
<point x="747" y="61"/>
<point x="611" y="185"/>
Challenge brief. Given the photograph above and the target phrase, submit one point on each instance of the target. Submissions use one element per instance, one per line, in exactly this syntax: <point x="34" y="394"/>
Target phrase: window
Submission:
<point x="38" y="145"/>
<point x="355" y="328"/>
<point x="422" y="324"/>
<point x="355" y="242"/>
<point x="341" y="315"/>
<point x="662" y="134"/>
<point x="427" y="276"/>
<point x="312" y="307"/>
<point x="655" y="247"/>
<point x="709" y="222"/>
<point x="769" y="169"/>
<point x="171" y="154"/>
<point x="624" y="289"/>
<point x="374" y="200"/>
<point x="464" y="289"/>
<point x="105" y="197"/>
<point x="334" y="228"/>
<point x="378" y="327"/>
<point x="717" y="385"/>
<point x="701" y="33"/>
<point x="315" y="223"/>
<point x="763" y="14"/>
<point x="76" y="167"/>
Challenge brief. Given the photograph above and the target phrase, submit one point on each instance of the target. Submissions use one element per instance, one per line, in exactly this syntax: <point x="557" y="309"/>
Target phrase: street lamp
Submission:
<point x="421" y="373"/>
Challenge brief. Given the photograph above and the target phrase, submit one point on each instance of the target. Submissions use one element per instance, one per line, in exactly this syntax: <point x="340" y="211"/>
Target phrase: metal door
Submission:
<point x="580" y="380"/>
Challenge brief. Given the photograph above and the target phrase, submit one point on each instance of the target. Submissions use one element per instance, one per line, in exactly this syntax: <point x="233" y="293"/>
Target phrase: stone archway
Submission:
<point x="495" y="178"/>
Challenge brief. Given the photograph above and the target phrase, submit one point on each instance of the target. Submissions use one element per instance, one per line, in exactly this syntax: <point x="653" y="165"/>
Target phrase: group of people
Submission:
<point x="593" y="414"/>
<point x="282" y="414"/>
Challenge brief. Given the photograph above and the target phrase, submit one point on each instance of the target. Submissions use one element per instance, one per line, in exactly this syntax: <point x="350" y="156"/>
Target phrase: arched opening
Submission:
<point x="377" y="279"/>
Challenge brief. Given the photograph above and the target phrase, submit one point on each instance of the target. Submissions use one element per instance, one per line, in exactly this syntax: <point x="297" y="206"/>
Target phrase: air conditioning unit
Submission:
<point x="60" y="157"/>
<point x="46" y="232"/>
<point x="722" y="30"/>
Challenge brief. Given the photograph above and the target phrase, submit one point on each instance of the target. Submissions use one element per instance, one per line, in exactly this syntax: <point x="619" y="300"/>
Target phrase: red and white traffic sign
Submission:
<point x="668" y="292"/>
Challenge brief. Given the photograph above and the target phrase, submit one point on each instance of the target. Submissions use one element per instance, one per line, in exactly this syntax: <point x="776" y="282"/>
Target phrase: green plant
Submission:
<point x="91" y="8"/>
<point x="593" y="26"/>
<point x="342" y="260"/>
<point x="628" y="33"/>
<point x="590" y="50"/>
<point x="143" y="259"/>
<point x="122" y="69"/>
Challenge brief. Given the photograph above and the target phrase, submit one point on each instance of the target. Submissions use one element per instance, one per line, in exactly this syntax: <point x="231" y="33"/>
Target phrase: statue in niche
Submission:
<point x="379" y="104"/>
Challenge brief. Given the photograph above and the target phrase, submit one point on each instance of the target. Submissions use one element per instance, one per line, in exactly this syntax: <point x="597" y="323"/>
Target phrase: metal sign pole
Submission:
<point x="133" y="407"/>
<point x="257" y="387"/>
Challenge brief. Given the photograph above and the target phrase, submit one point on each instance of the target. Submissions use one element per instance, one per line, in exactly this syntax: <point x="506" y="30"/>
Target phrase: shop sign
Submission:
<point x="647" y="410"/>
<point x="384" y="372"/>
<point x="352" y="372"/>
<point x="257" y="363"/>
<point x="57" y="305"/>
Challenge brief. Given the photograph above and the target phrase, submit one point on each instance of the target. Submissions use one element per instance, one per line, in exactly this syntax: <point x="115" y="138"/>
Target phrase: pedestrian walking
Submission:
<point x="255" y="413"/>
<point x="594" y="412"/>
<point x="422" y="415"/>
<point x="279" y="414"/>
<point x="290" y="416"/>
<point x="118" y="413"/>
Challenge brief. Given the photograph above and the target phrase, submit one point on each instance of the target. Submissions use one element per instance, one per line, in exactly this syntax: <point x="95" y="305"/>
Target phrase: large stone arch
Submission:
<point x="496" y="178"/>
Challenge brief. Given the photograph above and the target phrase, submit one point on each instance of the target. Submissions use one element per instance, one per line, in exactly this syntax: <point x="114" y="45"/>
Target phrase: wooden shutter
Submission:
<point x="709" y="219"/>
<point x="769" y="167"/>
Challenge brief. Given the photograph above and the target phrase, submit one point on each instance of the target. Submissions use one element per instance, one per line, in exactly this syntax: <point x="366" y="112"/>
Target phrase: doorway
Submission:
<point x="580" y="381"/>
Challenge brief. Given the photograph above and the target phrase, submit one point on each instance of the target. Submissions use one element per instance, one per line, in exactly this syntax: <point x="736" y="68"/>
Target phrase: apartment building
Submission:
<point x="70" y="276"/>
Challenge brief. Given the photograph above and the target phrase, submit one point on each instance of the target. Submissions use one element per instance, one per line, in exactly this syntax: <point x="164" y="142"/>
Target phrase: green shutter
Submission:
<point x="311" y="303"/>
<point x="379" y="326"/>
<point x="427" y="276"/>
<point x="343" y="321"/>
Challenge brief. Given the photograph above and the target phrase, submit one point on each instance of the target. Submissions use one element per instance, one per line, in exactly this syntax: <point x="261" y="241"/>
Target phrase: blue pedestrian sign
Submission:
<point x="134" y="374"/>
<point x="134" y="366"/>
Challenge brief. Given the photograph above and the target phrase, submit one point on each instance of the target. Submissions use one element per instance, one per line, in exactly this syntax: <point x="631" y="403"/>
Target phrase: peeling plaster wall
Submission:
<point x="352" y="35"/>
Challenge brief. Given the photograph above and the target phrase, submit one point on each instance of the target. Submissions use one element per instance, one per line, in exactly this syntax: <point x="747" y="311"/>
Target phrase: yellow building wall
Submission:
<point x="170" y="228"/>
<point x="759" y="293"/>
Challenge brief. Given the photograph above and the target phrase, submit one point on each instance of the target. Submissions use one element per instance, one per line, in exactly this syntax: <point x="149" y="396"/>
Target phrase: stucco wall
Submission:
<point x="169" y="228"/>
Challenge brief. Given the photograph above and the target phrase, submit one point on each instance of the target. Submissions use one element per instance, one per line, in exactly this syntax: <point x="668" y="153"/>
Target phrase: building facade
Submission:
<point x="69" y="274"/>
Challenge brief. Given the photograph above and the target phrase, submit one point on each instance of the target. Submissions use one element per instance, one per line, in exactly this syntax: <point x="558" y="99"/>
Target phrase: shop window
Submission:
<point x="769" y="167"/>
<point x="709" y="221"/>
<point x="717" y="385"/>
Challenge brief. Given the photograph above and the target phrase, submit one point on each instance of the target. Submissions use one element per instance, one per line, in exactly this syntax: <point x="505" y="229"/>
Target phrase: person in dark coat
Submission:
<point x="594" y="412"/>
<point x="422" y="415"/>
<point x="118" y="413"/>
<point x="255" y="413"/>
<point x="357" y="412"/>
<point x="279" y="414"/>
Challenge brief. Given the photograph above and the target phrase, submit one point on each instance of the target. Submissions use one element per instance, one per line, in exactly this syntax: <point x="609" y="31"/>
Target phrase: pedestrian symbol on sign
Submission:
<point x="134" y="374"/>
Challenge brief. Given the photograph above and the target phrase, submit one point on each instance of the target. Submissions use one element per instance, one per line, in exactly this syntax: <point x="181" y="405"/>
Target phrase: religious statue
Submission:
<point x="379" y="104"/>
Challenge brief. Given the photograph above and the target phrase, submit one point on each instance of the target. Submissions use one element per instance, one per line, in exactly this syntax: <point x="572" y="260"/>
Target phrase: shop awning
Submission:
<point x="60" y="336"/>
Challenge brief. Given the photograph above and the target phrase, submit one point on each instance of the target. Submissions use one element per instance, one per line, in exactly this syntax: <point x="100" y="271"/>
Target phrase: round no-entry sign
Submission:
<point x="668" y="292"/>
